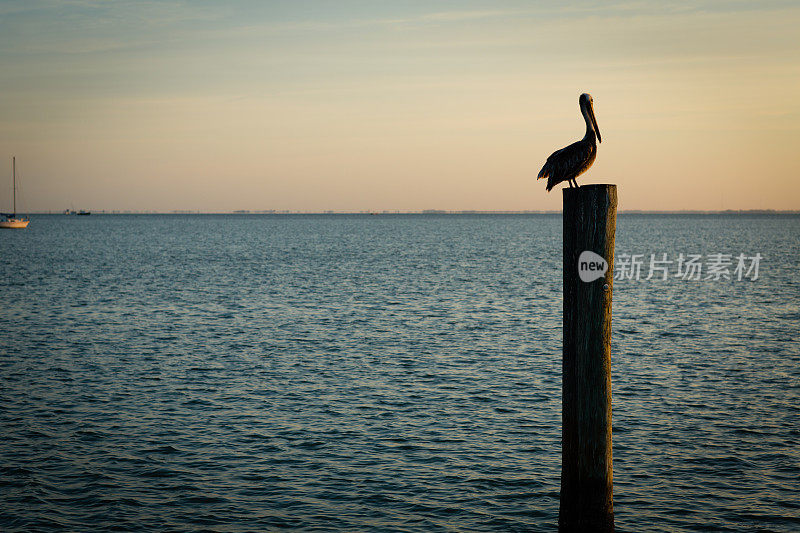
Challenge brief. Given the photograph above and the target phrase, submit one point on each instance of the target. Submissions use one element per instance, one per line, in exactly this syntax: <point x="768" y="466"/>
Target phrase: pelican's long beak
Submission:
<point x="594" y="123"/>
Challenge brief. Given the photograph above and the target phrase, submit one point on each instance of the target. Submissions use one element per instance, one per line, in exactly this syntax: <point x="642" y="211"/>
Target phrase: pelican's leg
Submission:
<point x="570" y="183"/>
<point x="575" y="182"/>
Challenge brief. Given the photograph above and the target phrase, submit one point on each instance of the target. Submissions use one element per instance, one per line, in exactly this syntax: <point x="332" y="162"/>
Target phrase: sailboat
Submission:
<point x="11" y="221"/>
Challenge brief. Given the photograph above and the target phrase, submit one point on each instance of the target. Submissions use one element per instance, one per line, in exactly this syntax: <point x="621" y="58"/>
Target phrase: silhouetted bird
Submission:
<point x="570" y="162"/>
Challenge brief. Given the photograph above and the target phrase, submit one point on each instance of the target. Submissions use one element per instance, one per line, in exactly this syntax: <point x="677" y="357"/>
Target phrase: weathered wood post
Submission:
<point x="590" y="220"/>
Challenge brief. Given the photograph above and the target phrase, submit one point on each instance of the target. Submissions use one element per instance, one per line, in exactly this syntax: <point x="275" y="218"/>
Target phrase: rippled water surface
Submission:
<point x="382" y="373"/>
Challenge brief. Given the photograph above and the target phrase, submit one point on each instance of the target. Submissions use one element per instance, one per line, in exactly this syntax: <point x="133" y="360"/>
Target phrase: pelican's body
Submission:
<point x="570" y="162"/>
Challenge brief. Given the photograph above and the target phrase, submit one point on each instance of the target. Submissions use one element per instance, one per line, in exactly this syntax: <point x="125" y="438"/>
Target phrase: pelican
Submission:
<point x="570" y="162"/>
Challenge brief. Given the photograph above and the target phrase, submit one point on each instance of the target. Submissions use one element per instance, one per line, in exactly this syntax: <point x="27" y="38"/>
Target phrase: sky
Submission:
<point x="395" y="105"/>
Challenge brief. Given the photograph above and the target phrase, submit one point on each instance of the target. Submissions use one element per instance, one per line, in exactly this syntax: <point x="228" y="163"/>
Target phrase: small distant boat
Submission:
<point x="10" y="220"/>
<point x="82" y="212"/>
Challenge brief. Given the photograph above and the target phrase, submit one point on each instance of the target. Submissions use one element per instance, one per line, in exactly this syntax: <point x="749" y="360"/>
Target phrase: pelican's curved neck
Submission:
<point x="590" y="133"/>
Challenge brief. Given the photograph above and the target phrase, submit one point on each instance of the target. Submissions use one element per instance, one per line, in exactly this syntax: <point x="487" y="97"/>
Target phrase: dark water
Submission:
<point x="383" y="373"/>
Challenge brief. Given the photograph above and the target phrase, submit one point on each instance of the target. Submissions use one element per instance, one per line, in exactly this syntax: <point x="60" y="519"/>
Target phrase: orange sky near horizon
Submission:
<point x="455" y="106"/>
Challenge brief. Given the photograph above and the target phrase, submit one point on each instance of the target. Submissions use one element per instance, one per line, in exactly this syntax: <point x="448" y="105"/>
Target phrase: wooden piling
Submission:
<point x="590" y="215"/>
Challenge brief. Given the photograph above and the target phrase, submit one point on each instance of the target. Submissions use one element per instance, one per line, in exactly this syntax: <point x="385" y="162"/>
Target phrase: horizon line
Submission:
<point x="425" y="212"/>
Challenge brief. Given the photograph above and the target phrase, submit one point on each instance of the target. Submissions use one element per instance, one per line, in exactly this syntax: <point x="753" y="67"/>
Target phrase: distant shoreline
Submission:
<point x="431" y="212"/>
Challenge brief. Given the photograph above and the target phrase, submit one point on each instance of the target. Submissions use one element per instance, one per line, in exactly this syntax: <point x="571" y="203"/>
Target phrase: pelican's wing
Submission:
<point x="550" y="164"/>
<point x="568" y="162"/>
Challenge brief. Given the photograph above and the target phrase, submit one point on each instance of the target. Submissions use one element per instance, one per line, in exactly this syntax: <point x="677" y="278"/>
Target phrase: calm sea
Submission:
<point x="385" y="373"/>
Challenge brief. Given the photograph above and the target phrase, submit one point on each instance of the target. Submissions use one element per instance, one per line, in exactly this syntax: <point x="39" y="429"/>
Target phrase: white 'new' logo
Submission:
<point x="591" y="266"/>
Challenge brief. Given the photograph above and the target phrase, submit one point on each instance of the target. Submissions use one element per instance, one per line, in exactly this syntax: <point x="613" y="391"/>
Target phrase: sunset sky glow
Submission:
<point x="373" y="105"/>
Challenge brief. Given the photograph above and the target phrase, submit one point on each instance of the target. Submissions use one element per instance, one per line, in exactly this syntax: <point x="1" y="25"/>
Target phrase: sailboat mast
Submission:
<point x="14" y="173"/>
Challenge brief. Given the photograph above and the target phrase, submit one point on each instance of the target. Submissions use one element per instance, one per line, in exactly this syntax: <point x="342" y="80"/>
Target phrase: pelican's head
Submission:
<point x="587" y="108"/>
